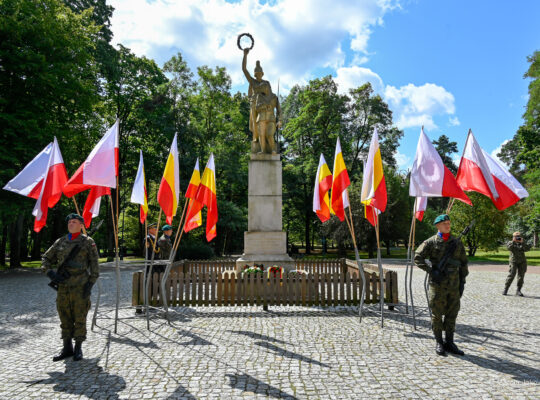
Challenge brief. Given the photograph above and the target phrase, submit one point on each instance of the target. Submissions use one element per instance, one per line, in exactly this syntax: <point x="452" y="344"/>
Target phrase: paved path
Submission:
<point x="289" y="352"/>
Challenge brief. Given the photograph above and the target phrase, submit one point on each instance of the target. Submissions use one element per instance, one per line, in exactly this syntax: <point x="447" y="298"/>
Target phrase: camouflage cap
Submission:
<point x="441" y="218"/>
<point x="152" y="225"/>
<point x="74" y="216"/>
<point x="166" y="227"/>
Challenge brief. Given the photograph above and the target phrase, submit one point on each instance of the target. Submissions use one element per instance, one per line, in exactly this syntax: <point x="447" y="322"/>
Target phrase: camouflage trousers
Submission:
<point x="520" y="269"/>
<point x="72" y="309"/>
<point x="444" y="301"/>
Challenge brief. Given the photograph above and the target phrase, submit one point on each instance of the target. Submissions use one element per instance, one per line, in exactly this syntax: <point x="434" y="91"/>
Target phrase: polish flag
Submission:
<point x="419" y="207"/>
<point x="479" y="172"/>
<point x="430" y="177"/>
<point x="100" y="167"/>
<point x="93" y="201"/>
<point x="42" y="181"/>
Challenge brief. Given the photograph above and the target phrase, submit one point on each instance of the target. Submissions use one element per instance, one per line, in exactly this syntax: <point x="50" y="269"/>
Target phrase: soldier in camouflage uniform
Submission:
<point x="165" y="243"/>
<point x="444" y="297"/>
<point x="73" y="298"/>
<point x="150" y="240"/>
<point x="518" y="262"/>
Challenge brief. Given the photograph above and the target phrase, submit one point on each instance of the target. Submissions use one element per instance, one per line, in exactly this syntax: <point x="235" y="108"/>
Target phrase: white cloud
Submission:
<point x="417" y="105"/>
<point x="497" y="150"/>
<point x="352" y="77"/>
<point x="403" y="161"/>
<point x="454" y="121"/>
<point x="292" y="37"/>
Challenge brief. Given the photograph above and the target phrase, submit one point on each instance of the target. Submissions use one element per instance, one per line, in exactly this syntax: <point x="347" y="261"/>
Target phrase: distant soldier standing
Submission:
<point x="165" y="242"/>
<point x="151" y="242"/>
<point x="444" y="289"/>
<point x="76" y="258"/>
<point x="518" y="262"/>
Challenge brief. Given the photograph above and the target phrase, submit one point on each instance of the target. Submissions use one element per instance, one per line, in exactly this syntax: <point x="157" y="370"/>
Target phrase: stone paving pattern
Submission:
<point x="288" y="352"/>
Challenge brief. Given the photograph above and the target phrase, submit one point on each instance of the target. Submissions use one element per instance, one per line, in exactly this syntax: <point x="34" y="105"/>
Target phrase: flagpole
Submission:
<point x="78" y="212"/>
<point x="409" y="257"/>
<point x="411" y="273"/>
<point x="450" y="204"/>
<point x="358" y="263"/>
<point x="379" y="262"/>
<point x="115" y="230"/>
<point x="145" y="273"/>
<point x="151" y="269"/>
<point x="410" y="265"/>
<point x="171" y="259"/>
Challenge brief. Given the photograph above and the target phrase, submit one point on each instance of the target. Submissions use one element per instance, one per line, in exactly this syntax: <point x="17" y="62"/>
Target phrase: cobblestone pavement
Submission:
<point x="288" y="352"/>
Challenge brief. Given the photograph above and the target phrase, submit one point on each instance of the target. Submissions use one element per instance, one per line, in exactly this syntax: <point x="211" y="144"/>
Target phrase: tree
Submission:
<point x="446" y="148"/>
<point x="490" y="224"/>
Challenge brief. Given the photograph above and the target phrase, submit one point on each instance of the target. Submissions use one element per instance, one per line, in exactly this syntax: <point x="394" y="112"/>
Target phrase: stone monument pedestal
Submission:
<point x="265" y="242"/>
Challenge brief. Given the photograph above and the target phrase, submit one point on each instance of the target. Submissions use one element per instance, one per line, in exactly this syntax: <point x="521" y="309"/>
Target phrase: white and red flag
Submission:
<point x="139" y="194"/>
<point x="42" y="179"/>
<point x="430" y="177"/>
<point x="97" y="173"/>
<point x="419" y="207"/>
<point x="479" y="172"/>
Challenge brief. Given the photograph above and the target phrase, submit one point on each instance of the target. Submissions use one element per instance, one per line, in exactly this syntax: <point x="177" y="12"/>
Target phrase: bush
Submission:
<point x="195" y="251"/>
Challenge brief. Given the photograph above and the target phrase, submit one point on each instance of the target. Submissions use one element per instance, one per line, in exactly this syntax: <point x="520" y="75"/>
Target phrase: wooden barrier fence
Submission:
<point x="209" y="283"/>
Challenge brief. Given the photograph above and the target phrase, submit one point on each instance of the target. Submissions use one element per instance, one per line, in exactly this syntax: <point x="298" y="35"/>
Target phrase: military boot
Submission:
<point x="77" y="355"/>
<point x="450" y="346"/>
<point x="505" y="291"/>
<point x="67" y="351"/>
<point x="518" y="292"/>
<point x="439" y="346"/>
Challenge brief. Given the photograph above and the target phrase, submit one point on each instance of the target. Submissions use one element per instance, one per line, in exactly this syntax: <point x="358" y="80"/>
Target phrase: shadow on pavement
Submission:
<point x="289" y="354"/>
<point x="181" y="393"/>
<point x="520" y="372"/>
<point x="247" y="383"/>
<point x="196" y="340"/>
<point x="96" y="383"/>
<point x="257" y="336"/>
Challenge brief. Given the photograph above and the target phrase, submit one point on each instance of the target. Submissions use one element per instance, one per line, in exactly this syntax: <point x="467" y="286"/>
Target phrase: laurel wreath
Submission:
<point x="240" y="37"/>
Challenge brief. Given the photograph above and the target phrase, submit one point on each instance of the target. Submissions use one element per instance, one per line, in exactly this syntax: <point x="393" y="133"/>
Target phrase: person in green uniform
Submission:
<point x="165" y="242"/>
<point x="444" y="290"/>
<point x="518" y="262"/>
<point x="76" y="258"/>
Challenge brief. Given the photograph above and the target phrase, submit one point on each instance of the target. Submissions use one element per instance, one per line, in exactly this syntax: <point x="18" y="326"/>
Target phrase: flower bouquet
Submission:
<point x="255" y="269"/>
<point x="274" y="270"/>
<point x="297" y="273"/>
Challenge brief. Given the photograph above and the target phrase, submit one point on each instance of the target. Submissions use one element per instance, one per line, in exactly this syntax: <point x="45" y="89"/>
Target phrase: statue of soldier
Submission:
<point x="165" y="242"/>
<point x="518" y="262"/>
<point x="76" y="257"/>
<point x="444" y="297"/>
<point x="263" y="120"/>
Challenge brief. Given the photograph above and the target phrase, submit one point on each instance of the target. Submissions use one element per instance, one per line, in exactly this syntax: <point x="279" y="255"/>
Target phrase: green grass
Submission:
<point x="501" y="257"/>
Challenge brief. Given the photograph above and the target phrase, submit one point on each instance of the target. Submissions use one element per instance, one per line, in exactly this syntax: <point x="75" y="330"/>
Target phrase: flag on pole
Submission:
<point x="480" y="172"/>
<point x="42" y="179"/>
<point x="193" y="220"/>
<point x="430" y="177"/>
<point x="169" y="189"/>
<point x="419" y="207"/>
<point x="374" y="185"/>
<point x="139" y="194"/>
<point x="100" y="167"/>
<point x="206" y="196"/>
<point x="340" y="182"/>
<point x="323" y="183"/>
<point x="93" y="201"/>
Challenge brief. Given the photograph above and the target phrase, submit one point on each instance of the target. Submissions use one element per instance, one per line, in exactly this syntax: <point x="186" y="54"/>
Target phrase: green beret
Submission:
<point x="441" y="218"/>
<point x="152" y="225"/>
<point x="166" y="227"/>
<point x="74" y="216"/>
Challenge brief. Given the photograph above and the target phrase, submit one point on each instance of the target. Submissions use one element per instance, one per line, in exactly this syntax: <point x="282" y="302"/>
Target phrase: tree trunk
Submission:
<point x="36" y="248"/>
<point x="15" y="242"/>
<point x="307" y="225"/>
<point x="3" y="244"/>
<point x="388" y="243"/>
<point x="24" y="241"/>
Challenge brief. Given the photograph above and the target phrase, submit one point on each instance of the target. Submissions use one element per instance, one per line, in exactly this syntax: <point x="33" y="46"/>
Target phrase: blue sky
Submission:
<point x="447" y="65"/>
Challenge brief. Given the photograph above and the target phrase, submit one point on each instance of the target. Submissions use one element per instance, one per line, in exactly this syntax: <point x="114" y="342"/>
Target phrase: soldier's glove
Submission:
<point x="51" y="274"/>
<point x="87" y="289"/>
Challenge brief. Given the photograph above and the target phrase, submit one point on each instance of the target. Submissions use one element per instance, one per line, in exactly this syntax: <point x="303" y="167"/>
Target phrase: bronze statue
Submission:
<point x="263" y="120"/>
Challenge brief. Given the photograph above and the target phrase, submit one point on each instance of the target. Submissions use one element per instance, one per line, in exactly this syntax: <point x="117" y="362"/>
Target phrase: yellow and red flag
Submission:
<point x="193" y="220"/>
<point x="323" y="183"/>
<point x="340" y="182"/>
<point x="374" y="186"/>
<point x="169" y="189"/>
<point x="206" y="196"/>
<point x="139" y="194"/>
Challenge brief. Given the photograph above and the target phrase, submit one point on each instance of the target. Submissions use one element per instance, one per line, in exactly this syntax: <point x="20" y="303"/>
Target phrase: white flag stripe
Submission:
<point x="54" y="158"/>
<point x="420" y="204"/>
<point x="316" y="199"/>
<point x="137" y="194"/>
<point x="499" y="171"/>
<point x="100" y="166"/>
<point x="32" y="174"/>
<point x="473" y="152"/>
<point x="368" y="184"/>
<point x="427" y="174"/>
